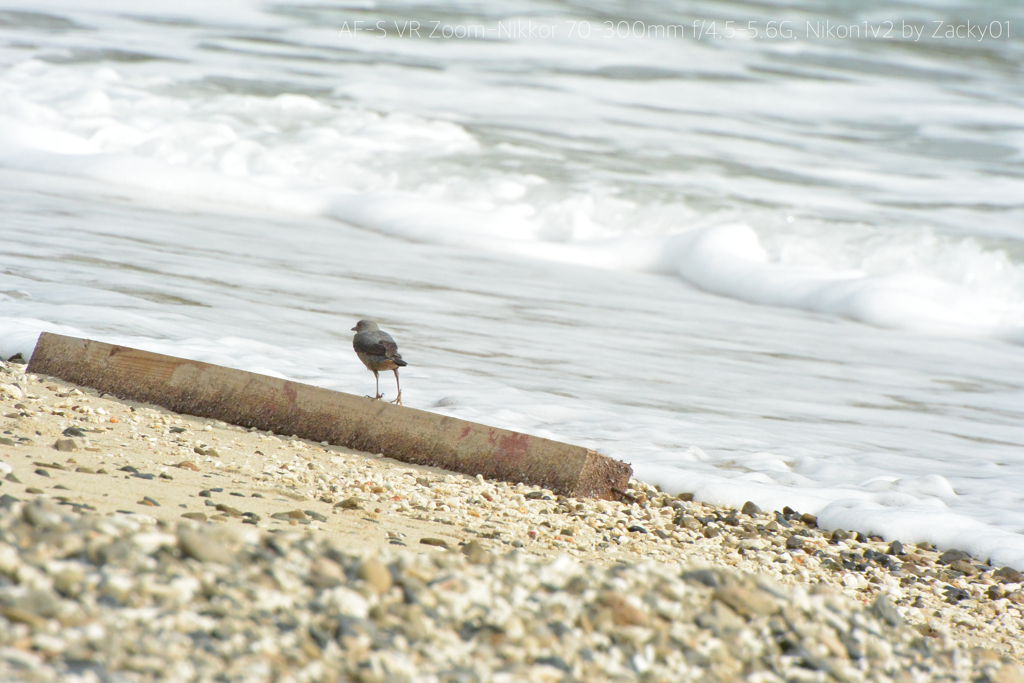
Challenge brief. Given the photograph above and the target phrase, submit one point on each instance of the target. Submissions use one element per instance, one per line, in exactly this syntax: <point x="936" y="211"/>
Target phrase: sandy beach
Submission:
<point x="83" y="458"/>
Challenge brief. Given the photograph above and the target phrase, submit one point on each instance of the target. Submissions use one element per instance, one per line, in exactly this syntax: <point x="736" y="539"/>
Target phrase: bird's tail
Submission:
<point x="397" y="360"/>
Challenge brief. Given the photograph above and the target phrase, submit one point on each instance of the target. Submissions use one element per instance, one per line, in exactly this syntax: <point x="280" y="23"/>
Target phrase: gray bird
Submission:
<point x="379" y="352"/>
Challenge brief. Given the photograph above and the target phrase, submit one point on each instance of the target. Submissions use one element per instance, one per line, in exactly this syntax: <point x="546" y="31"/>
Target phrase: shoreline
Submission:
<point x="130" y="460"/>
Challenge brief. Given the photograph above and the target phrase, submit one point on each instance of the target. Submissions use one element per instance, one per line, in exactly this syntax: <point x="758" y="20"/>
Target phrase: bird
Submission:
<point x="378" y="351"/>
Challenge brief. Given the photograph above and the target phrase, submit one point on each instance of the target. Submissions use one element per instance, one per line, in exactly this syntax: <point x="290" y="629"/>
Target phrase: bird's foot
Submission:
<point x="375" y="398"/>
<point x="398" y="399"/>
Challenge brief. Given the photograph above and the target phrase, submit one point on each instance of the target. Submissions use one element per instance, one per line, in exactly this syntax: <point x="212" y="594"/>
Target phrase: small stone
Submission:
<point x="68" y="581"/>
<point x="74" y="431"/>
<point x="895" y="548"/>
<point x="312" y="514"/>
<point x="749" y="508"/>
<point x="885" y="610"/>
<point x="476" y="553"/>
<point x="623" y="612"/>
<point x="1007" y="673"/>
<point x="711" y="532"/>
<point x="955" y="595"/>
<point x="687" y="522"/>
<point x="12" y="478"/>
<point x="228" y="510"/>
<point x="434" y="542"/>
<point x="376" y="574"/>
<point x="205" y="493"/>
<point x="149" y="502"/>
<point x="7" y="441"/>
<point x="188" y="465"/>
<point x="42" y="512"/>
<point x="794" y="542"/>
<point x="148" y="476"/>
<point x="325" y="573"/>
<point x="198" y="516"/>
<point x="204" y="547"/>
<point x="42" y="472"/>
<point x="85" y="470"/>
<point x="20" y="616"/>
<point x="747" y="602"/>
<point x="351" y="503"/>
<point x="65" y="445"/>
<point x="637" y="529"/>
<point x="952" y="555"/>
<point x="962" y="566"/>
<point x="6" y="501"/>
<point x="129" y="469"/>
<point x="1008" y="575"/>
<point x="164" y="475"/>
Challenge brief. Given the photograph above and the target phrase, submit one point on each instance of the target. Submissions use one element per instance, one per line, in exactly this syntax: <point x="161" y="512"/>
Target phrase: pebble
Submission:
<point x="376" y="574"/>
<point x="750" y="508"/>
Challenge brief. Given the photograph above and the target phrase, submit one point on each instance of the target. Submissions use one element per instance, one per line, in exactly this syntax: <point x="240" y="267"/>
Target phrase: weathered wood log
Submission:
<point x="269" y="403"/>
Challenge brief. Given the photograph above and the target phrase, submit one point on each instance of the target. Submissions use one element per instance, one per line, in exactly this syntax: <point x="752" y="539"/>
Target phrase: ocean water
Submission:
<point x="762" y="251"/>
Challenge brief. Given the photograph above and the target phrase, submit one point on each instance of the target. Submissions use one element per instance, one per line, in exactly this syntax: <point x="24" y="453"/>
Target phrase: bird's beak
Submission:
<point x="353" y="329"/>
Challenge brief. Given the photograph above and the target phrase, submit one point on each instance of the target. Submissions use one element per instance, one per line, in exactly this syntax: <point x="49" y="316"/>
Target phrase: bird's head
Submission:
<point x="365" y="326"/>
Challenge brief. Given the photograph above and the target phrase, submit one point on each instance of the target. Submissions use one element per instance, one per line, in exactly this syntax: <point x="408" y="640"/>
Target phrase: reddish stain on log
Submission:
<point x="512" y="446"/>
<point x="289" y="392"/>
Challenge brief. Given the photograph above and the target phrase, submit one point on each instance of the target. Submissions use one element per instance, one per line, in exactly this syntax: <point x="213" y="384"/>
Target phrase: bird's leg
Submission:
<point x="398" y="399"/>
<point x="379" y="395"/>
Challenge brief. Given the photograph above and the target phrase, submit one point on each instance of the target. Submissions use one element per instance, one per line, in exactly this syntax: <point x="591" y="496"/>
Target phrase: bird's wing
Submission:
<point x="375" y="344"/>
